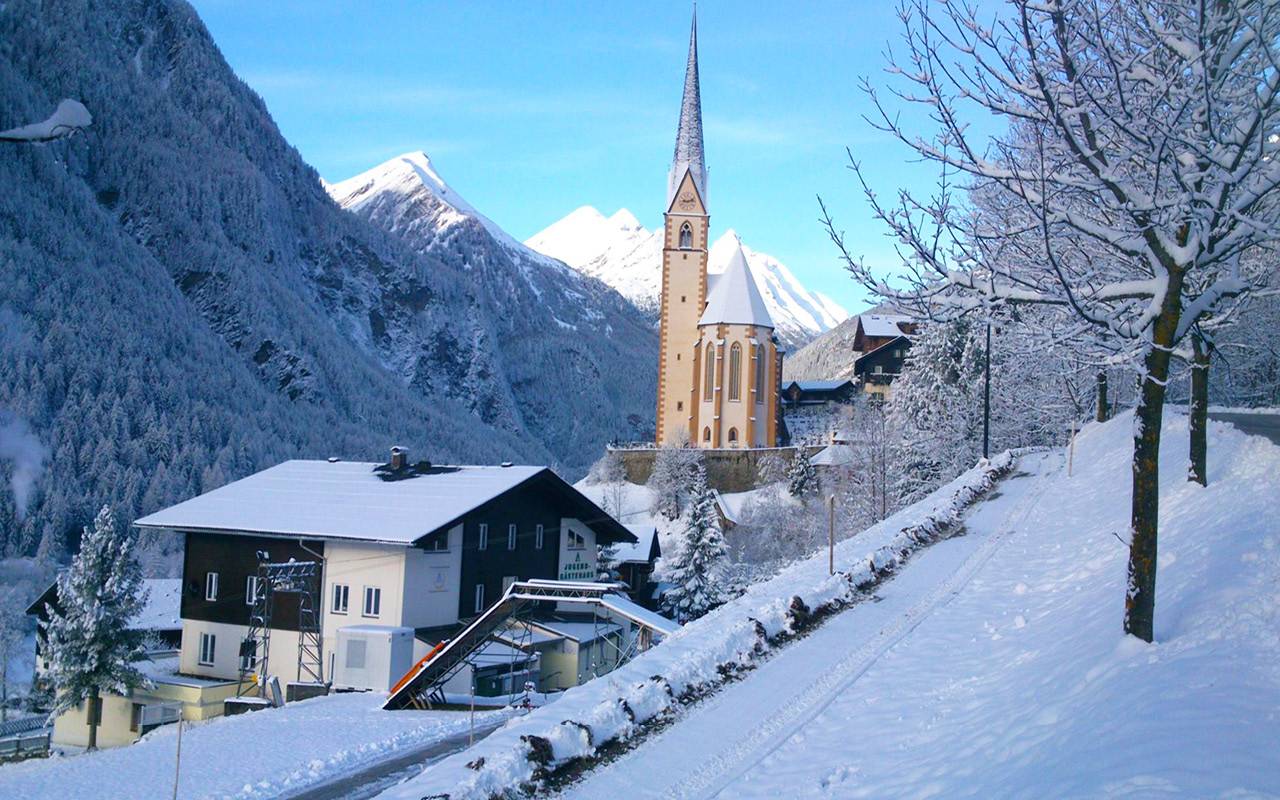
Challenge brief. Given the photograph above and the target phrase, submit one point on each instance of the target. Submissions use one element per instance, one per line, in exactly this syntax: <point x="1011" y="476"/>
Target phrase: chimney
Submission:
<point x="399" y="457"/>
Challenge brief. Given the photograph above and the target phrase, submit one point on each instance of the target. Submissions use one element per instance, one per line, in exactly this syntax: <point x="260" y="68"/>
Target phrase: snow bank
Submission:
<point x="698" y="657"/>
<point x="259" y="755"/>
<point x="69" y="118"/>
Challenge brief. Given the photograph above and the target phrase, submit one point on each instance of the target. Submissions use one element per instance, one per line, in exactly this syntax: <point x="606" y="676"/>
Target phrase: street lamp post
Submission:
<point x="986" y="398"/>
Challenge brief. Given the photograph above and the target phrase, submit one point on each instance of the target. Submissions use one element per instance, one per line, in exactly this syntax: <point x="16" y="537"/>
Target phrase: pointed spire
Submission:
<point x="688" y="153"/>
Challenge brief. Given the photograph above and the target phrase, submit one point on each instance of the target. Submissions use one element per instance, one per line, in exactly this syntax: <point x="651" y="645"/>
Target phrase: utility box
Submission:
<point x="372" y="656"/>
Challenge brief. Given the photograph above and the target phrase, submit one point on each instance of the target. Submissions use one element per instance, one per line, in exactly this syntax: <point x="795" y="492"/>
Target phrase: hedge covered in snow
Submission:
<point x="697" y="659"/>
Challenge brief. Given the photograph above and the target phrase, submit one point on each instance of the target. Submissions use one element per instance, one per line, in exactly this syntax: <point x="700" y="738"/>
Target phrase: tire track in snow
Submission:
<point x="728" y="766"/>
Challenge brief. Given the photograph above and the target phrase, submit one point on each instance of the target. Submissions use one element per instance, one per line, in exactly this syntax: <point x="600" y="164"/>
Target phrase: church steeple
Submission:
<point x="688" y="155"/>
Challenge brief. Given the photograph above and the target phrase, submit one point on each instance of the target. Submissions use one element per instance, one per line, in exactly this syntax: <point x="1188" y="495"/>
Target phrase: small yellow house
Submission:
<point x="123" y="720"/>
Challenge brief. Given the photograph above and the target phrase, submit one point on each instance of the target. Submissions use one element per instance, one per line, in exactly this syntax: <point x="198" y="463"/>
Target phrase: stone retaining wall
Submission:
<point x="731" y="470"/>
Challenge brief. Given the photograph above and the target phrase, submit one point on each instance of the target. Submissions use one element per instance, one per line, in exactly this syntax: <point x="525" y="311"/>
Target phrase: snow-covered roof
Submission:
<point x="343" y="500"/>
<point x="688" y="156"/>
<point x="819" y="386"/>
<point x="639" y="551"/>
<point x="578" y="631"/>
<point x="834" y="455"/>
<point x="736" y="299"/>
<point x="879" y="325"/>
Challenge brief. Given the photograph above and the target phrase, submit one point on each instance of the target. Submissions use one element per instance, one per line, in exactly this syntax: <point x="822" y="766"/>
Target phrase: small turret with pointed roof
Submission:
<point x="688" y="155"/>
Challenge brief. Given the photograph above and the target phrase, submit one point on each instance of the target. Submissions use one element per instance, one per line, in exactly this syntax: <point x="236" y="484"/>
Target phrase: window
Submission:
<point x="709" y="380"/>
<point x="761" y="368"/>
<point x="135" y="717"/>
<point x="250" y="590"/>
<point x="706" y="434"/>
<point x="511" y="537"/>
<point x="211" y="586"/>
<point x="686" y="237"/>
<point x="735" y="372"/>
<point x="341" y="594"/>
<point x="479" y="597"/>
<point x="576" y="541"/>
<point x="877" y="369"/>
<point x="679" y="405"/>
<point x="208" y="642"/>
<point x="248" y="653"/>
<point x="538" y="535"/>
<point x="507" y="580"/>
<point x="372" y="601"/>
<point x="484" y="536"/>
<point x="733" y="436"/>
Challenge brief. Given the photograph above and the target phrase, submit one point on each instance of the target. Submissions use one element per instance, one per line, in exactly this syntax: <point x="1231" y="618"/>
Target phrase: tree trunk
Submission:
<point x="1140" y="595"/>
<point x="1199" y="412"/>
<point x="1103" y="411"/>
<point x="94" y="713"/>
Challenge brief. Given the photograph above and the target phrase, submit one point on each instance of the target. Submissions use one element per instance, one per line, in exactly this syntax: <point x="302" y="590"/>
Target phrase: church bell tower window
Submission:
<point x="686" y="237"/>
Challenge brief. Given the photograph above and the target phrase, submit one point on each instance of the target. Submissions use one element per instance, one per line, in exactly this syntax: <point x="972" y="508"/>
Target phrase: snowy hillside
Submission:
<point x="624" y="254"/>
<point x="990" y="664"/>
<point x="579" y="358"/>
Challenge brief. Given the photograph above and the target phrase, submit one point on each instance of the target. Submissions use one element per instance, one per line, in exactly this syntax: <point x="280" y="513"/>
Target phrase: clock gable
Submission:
<point x="687" y="200"/>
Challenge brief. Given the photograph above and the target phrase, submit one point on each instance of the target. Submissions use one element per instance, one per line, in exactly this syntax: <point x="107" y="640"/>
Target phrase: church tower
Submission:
<point x="684" y="266"/>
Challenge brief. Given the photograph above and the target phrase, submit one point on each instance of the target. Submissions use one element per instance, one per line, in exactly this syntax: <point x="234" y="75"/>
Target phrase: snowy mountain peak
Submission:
<point x="625" y="220"/>
<point x="624" y="254"/>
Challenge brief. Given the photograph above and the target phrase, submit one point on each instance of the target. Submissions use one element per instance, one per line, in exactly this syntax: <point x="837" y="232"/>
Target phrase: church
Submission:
<point x="719" y="363"/>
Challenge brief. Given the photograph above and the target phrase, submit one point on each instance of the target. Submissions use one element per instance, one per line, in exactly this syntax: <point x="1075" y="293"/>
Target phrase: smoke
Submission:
<point x="20" y="447"/>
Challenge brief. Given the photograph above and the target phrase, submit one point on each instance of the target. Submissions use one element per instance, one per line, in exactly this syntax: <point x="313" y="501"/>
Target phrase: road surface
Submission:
<point x="372" y="780"/>
<point x="1267" y="425"/>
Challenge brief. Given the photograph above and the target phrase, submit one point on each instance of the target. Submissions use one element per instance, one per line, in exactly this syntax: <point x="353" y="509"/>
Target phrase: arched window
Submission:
<point x="706" y="434"/>
<point x="733" y="436"/>
<point x="761" y="369"/>
<point x="709" y="379"/>
<point x="735" y="372"/>
<point x="686" y="237"/>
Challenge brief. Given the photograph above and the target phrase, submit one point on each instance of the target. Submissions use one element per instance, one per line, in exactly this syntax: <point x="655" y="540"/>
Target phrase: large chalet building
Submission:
<point x="398" y="545"/>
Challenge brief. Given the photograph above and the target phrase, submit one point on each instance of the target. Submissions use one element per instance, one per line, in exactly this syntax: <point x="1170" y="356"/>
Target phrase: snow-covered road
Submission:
<point x="720" y="740"/>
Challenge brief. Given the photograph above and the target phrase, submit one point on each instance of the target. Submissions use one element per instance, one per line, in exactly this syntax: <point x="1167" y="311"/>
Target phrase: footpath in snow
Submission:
<point x="266" y="754"/>
<point x="1001" y="671"/>
<point x="716" y="742"/>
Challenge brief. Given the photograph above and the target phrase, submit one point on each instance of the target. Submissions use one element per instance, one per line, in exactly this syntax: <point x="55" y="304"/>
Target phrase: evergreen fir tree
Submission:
<point x="91" y="647"/>
<point x="802" y="478"/>
<point x="695" y="569"/>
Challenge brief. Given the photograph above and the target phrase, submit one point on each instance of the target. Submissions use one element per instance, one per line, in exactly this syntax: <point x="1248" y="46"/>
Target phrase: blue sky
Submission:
<point x="530" y="110"/>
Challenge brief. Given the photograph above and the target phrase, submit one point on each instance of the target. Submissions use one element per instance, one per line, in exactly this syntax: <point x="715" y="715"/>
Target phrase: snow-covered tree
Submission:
<point x="13" y="627"/>
<point x="802" y="478"/>
<point x="91" y="647"/>
<point x="695" y="567"/>
<point x="610" y="474"/>
<point x="674" y="470"/>
<point x="1138" y="167"/>
<point x="771" y="468"/>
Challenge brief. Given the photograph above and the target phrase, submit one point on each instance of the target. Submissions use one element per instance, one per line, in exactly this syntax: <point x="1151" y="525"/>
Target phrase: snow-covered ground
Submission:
<point x="991" y="665"/>
<point x="259" y="755"/>
<point x="1015" y="681"/>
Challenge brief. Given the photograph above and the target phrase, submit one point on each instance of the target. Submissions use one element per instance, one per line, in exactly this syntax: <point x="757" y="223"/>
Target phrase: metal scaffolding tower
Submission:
<point x="301" y="578"/>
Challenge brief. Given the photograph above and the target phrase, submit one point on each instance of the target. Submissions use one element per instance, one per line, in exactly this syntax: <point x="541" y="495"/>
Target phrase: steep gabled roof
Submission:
<point x="735" y="299"/>
<point x="688" y="155"/>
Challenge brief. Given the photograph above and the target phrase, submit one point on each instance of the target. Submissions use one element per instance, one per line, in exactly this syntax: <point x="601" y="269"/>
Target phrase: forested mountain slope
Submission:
<point x="181" y="303"/>
<point x="581" y="360"/>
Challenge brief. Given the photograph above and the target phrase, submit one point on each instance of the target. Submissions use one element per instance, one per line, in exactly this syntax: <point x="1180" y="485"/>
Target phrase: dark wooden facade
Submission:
<point x="889" y="357"/>
<point x="235" y="557"/>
